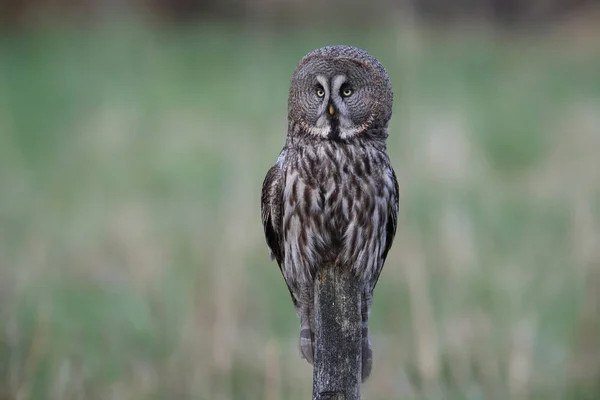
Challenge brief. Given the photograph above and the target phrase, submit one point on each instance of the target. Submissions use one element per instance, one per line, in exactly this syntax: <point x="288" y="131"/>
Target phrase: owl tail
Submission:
<point x="367" y="352"/>
<point x="307" y="337"/>
<point x="307" y="340"/>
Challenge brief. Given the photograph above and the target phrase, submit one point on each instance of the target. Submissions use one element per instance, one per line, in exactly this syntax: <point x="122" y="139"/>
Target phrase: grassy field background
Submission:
<point x="132" y="258"/>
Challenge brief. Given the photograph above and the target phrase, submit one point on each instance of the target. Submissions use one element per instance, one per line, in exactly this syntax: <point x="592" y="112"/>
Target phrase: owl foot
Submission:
<point x="307" y="339"/>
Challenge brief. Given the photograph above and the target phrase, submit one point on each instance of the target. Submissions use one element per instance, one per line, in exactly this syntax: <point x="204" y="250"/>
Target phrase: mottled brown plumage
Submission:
<point x="332" y="196"/>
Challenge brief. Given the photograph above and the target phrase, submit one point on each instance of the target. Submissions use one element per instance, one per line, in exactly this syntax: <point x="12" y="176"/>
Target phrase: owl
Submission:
<point x="331" y="198"/>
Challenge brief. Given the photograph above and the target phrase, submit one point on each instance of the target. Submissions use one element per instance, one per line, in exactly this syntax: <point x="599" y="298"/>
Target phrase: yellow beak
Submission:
<point x="331" y="110"/>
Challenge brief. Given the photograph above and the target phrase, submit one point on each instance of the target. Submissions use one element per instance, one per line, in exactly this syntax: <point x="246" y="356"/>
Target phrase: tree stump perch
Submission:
<point x="338" y="336"/>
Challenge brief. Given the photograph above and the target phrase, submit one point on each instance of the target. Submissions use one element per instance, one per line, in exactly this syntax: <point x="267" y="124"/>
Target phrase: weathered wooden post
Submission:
<point x="338" y="335"/>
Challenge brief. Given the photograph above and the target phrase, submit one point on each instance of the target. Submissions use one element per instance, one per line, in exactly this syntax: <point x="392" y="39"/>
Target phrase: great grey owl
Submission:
<point x="332" y="196"/>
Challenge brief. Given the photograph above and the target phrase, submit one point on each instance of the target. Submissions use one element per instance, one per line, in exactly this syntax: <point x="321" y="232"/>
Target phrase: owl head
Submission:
<point x="340" y="92"/>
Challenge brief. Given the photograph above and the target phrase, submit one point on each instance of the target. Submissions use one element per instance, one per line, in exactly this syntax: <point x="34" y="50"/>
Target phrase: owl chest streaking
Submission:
<point x="331" y="199"/>
<point x="337" y="199"/>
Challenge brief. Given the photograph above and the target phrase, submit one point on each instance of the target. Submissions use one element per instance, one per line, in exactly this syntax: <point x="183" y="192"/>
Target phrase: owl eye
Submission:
<point x="320" y="92"/>
<point x="347" y="92"/>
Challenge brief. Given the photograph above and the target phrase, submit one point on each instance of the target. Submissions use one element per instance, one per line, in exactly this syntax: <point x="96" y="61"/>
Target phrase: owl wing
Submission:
<point x="271" y="207"/>
<point x="392" y="222"/>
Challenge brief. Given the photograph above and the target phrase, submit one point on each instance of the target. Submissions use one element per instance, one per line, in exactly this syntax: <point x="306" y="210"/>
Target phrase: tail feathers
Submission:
<point x="307" y="340"/>
<point x="367" y="352"/>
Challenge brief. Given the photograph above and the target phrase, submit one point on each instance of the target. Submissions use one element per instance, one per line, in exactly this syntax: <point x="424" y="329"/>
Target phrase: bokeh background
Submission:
<point x="134" y="138"/>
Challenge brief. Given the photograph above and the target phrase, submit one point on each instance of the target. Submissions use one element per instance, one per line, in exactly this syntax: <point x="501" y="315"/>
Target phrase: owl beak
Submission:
<point x="331" y="110"/>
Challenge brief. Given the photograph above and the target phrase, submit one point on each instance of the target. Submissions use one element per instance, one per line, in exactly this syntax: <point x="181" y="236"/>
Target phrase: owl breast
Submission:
<point x="336" y="204"/>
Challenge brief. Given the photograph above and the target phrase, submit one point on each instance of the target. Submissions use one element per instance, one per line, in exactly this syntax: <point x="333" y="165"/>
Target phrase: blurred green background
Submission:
<point x="133" y="145"/>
